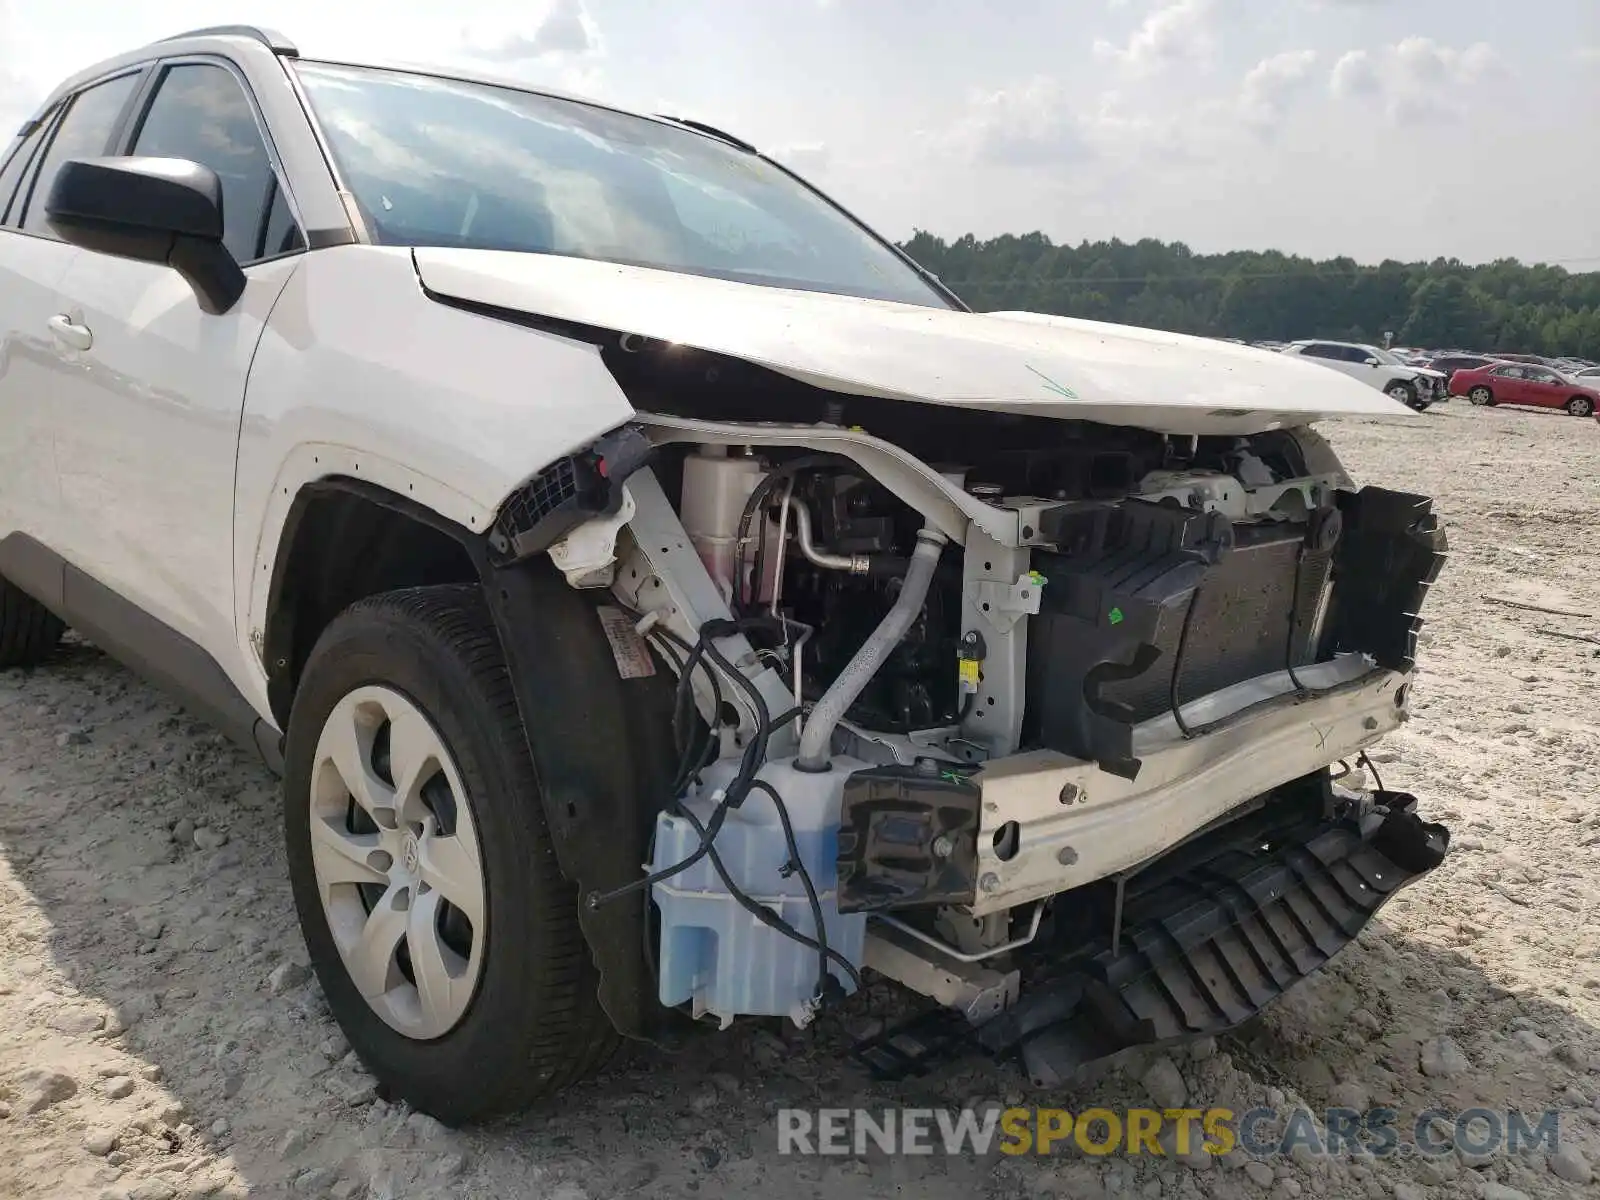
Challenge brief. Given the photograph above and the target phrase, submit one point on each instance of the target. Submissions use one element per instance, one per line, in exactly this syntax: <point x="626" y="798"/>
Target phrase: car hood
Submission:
<point x="1012" y="362"/>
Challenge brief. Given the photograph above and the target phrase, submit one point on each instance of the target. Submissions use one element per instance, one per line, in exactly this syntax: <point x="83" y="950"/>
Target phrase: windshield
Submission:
<point x="445" y="162"/>
<point x="1385" y="357"/>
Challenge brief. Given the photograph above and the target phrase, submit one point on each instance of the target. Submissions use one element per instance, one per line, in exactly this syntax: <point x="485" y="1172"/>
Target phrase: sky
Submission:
<point x="1408" y="129"/>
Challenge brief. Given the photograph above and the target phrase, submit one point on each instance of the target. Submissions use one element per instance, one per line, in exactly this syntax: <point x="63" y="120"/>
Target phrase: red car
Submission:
<point x="1524" y="383"/>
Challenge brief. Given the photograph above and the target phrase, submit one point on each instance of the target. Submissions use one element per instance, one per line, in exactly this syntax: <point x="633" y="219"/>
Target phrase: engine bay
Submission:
<point x="939" y="671"/>
<point x="1119" y="537"/>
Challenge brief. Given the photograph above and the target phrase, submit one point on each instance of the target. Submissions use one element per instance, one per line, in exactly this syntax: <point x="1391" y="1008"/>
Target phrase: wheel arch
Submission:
<point x="344" y="539"/>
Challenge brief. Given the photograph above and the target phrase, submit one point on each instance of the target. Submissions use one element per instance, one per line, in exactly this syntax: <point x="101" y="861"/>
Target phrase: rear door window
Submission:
<point x="17" y="165"/>
<point x="85" y="132"/>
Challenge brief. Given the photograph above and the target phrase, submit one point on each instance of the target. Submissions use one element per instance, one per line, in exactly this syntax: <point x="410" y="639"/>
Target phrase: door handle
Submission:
<point x="70" y="332"/>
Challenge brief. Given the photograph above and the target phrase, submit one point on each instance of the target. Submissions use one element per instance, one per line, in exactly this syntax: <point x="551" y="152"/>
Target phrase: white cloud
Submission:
<point x="1031" y="125"/>
<point x="566" y="31"/>
<point x="1272" y="84"/>
<point x="1442" y="64"/>
<point x="1170" y="34"/>
<point x="1355" y="75"/>
<point x="1038" y="126"/>
<point x="1416" y="79"/>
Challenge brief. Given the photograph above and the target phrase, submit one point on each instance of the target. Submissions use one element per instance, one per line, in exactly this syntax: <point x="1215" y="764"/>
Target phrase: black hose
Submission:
<point x="805" y="882"/>
<point x="707" y="832"/>
<point x="1177" y="664"/>
<point x="734" y="795"/>
<point x="764" y="728"/>
<point x="754" y="754"/>
<point x="1367" y="762"/>
<point x="758" y="496"/>
<point x="1294" y="623"/>
<point x="766" y="917"/>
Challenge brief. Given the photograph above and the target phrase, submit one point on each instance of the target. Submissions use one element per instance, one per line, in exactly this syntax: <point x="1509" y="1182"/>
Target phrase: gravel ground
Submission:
<point x="160" y="1036"/>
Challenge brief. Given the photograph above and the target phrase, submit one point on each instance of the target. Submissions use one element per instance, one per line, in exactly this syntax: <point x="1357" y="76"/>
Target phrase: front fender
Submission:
<point x="360" y="375"/>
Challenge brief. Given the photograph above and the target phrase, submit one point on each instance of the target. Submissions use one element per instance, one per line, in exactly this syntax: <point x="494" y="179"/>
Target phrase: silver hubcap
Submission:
<point x="397" y="862"/>
<point x="1480" y="396"/>
<point x="1400" y="394"/>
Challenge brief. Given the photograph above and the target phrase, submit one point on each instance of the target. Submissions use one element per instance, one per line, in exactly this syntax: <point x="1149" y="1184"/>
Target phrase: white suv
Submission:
<point x="1416" y="387"/>
<point x="546" y="490"/>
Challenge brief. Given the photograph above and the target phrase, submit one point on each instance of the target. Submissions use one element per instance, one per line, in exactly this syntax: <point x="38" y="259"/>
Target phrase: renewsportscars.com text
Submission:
<point x="1259" y="1132"/>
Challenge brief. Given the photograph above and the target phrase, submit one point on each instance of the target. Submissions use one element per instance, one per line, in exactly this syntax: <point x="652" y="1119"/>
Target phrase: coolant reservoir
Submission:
<point x="716" y="485"/>
<point x="713" y="954"/>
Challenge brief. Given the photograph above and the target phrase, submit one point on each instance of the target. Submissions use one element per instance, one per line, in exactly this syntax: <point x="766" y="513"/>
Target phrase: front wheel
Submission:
<point x="1580" y="406"/>
<point x="1404" y="392"/>
<point x="441" y="928"/>
<point x="1481" y="396"/>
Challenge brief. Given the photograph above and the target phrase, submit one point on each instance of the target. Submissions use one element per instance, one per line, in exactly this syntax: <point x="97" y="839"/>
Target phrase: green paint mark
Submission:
<point x="1116" y="616"/>
<point x="1055" y="387"/>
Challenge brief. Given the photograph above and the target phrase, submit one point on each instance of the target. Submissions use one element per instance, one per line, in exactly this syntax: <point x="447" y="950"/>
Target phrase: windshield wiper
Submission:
<point x="711" y="131"/>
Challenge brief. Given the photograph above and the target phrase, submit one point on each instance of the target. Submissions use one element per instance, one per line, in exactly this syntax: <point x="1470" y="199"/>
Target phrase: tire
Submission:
<point x="1403" y="391"/>
<point x="28" y="630"/>
<point x="531" y="1024"/>
<point x="1580" y="406"/>
<point x="1481" y="396"/>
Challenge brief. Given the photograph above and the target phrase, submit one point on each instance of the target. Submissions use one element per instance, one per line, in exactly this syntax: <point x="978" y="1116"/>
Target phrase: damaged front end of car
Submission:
<point x="1049" y="720"/>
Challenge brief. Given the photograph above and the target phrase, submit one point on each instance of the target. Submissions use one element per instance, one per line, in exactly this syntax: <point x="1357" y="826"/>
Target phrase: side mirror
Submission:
<point x="1370" y="361"/>
<point x="160" y="210"/>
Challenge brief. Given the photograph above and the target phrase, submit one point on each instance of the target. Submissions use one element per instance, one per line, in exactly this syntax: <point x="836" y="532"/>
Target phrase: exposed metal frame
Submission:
<point x="659" y="571"/>
<point x="961" y="956"/>
<point x="1077" y="824"/>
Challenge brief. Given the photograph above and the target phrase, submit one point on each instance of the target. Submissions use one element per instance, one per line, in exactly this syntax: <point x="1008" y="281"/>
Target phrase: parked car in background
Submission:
<point x="1417" y="387"/>
<point x="1525" y="383"/>
<point x="1448" y="364"/>
<point x="1537" y="360"/>
<point x="1588" y="375"/>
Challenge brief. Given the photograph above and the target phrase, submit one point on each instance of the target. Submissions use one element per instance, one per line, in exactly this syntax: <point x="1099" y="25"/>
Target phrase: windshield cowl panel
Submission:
<point x="451" y="163"/>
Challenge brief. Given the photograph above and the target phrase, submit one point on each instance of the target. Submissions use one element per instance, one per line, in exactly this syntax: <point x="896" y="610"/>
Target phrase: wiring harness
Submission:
<point x="703" y="655"/>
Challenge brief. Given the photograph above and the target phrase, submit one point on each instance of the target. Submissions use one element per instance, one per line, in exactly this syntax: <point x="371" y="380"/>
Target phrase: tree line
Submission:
<point x="1503" y="306"/>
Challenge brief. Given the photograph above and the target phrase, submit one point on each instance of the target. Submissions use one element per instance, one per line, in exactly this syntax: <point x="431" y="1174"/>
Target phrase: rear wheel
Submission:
<point x="441" y="928"/>
<point x="1481" y="396"/>
<point x="1580" y="406"/>
<point x="28" y="630"/>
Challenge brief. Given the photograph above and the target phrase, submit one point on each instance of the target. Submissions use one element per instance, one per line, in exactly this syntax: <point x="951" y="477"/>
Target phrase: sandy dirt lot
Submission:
<point x="160" y="1037"/>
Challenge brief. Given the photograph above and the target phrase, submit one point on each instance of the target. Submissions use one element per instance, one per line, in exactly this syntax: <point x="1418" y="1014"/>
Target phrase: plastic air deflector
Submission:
<point x="1215" y="933"/>
<point x="1210" y="934"/>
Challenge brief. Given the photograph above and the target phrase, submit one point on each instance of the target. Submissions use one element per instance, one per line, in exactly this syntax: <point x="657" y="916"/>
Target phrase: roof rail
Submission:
<point x="712" y="131"/>
<point x="269" y="38"/>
